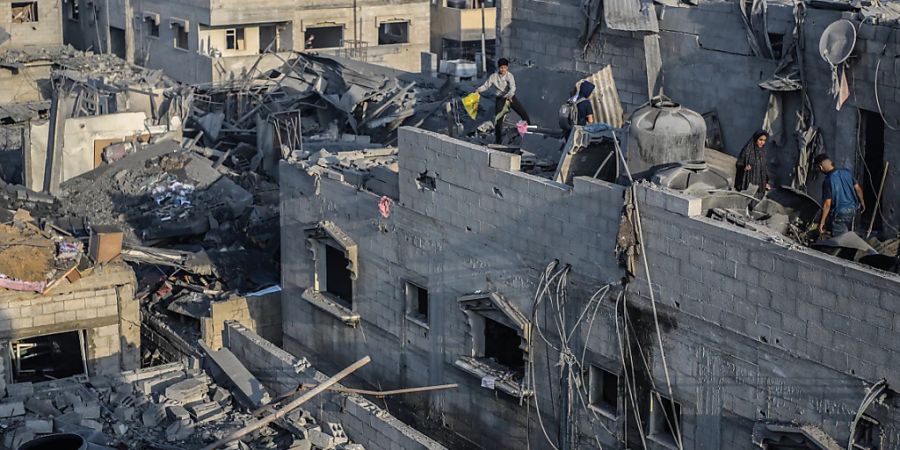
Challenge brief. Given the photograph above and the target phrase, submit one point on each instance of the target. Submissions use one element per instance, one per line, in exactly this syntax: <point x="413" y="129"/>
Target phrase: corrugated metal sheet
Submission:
<point x="605" y="100"/>
<point x="630" y="15"/>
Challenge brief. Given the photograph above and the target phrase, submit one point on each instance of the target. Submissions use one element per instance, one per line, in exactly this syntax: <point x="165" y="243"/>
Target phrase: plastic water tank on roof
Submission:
<point x="664" y="132"/>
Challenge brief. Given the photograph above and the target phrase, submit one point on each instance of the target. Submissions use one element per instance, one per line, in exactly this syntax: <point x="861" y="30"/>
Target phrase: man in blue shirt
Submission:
<point x="842" y="197"/>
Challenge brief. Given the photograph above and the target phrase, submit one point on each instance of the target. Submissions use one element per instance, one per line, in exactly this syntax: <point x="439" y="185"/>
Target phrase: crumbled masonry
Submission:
<point x="292" y="225"/>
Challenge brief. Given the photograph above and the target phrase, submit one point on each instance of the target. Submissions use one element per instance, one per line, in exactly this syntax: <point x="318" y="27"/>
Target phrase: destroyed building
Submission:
<point x="178" y="261"/>
<point x="216" y="42"/>
<point x="579" y="307"/>
<point x="509" y="285"/>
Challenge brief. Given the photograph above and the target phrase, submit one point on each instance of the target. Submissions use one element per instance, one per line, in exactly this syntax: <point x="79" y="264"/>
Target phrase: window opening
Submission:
<point x="73" y="9"/>
<point x="867" y="435"/>
<point x="234" y="39"/>
<point x="181" y="36"/>
<point x="665" y="419"/>
<point x="503" y="344"/>
<point x="416" y="302"/>
<point x="393" y="33"/>
<point x="25" y="12"/>
<point x="324" y="37"/>
<point x="337" y="279"/>
<point x="49" y="357"/>
<point x="603" y="390"/>
<point x="151" y="26"/>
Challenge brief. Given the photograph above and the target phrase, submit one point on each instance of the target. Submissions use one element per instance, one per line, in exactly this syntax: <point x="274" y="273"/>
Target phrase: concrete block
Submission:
<point x="179" y="431"/>
<point x="39" y="426"/>
<point x="88" y="411"/>
<point x="187" y="391"/>
<point x="92" y="424"/>
<point x="321" y="440"/>
<point x="153" y="415"/>
<point x="228" y="370"/>
<point x="177" y="413"/>
<point x="506" y="161"/>
<point x="337" y="432"/>
<point x="25" y="389"/>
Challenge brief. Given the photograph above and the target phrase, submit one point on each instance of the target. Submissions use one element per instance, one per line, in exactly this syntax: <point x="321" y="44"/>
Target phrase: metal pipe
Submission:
<point x="253" y="426"/>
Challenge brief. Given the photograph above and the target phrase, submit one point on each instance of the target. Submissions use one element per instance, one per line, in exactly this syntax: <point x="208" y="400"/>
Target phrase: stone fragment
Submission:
<point x="88" y="411"/>
<point x="12" y="409"/>
<point x="39" y="426"/>
<point x="187" y="391"/>
<point x="177" y="413"/>
<point x="321" y="440"/>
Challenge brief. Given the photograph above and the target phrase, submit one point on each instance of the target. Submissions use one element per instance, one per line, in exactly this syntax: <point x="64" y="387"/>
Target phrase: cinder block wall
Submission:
<point x="46" y="31"/>
<point x="102" y="304"/>
<point x="261" y="314"/>
<point x="708" y="66"/>
<point x="488" y="229"/>
<point x="363" y="421"/>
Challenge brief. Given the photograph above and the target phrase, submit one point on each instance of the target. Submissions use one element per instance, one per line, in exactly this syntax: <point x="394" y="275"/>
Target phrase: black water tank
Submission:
<point x="64" y="441"/>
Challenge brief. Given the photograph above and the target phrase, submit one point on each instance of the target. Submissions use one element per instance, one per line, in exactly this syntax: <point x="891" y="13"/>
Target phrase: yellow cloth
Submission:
<point x="470" y="102"/>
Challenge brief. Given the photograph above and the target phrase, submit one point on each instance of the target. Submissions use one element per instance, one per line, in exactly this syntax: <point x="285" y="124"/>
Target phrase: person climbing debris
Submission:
<point x="842" y="198"/>
<point x="752" y="166"/>
<point x="505" y="84"/>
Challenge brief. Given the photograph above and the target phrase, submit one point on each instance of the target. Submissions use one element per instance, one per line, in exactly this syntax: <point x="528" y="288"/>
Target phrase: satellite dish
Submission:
<point x="837" y="42"/>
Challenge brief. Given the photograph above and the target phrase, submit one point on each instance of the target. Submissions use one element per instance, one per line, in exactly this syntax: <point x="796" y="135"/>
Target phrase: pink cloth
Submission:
<point x="384" y="206"/>
<point x="19" y="285"/>
<point x="522" y="127"/>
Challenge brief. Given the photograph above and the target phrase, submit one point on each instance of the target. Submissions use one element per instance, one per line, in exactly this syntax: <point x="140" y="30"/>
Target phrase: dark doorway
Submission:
<point x="117" y="44"/>
<point x="337" y="277"/>
<point x="324" y="37"/>
<point x="873" y="166"/>
<point x="268" y="38"/>
<point x="48" y="357"/>
<point x="503" y="344"/>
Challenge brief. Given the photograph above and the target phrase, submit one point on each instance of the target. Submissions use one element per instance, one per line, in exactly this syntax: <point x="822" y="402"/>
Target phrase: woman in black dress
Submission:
<point x="752" y="167"/>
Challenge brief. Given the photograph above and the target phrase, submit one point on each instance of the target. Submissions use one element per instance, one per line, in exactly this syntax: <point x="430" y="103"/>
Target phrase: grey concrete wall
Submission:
<point x="487" y="229"/>
<point x="708" y="66"/>
<point x="363" y="421"/>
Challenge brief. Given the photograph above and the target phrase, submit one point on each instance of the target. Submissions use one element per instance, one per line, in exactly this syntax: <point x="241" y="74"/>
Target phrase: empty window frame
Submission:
<point x="503" y="345"/>
<point x="867" y="435"/>
<point x="181" y="36"/>
<point x="665" y="420"/>
<point x="338" y="280"/>
<point x="49" y="357"/>
<point x="324" y="37"/>
<point x="416" y="302"/>
<point x="395" y="32"/>
<point x="234" y="39"/>
<point x="72" y="10"/>
<point x="603" y="391"/>
<point x="24" y="12"/>
<point x="151" y="27"/>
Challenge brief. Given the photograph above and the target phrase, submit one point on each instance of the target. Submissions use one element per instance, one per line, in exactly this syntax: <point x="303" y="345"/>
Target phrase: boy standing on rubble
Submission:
<point x="841" y="197"/>
<point x="505" y="84"/>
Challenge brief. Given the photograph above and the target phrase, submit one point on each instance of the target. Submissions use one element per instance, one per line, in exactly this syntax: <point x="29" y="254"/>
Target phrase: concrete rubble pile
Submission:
<point x="310" y="103"/>
<point x="163" y="407"/>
